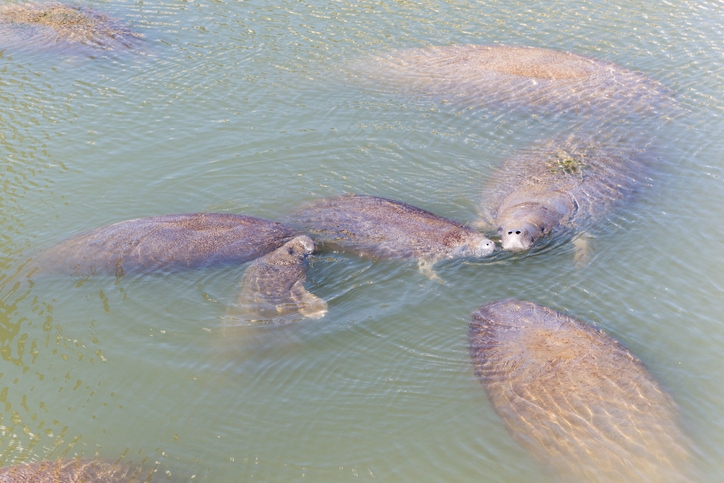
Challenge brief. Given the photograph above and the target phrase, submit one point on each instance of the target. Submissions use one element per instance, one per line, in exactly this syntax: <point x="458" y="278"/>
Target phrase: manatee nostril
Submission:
<point x="517" y="232"/>
<point x="510" y="233"/>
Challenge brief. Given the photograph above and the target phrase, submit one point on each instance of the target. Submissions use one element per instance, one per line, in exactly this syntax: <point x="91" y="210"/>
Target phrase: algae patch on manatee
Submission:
<point x="567" y="162"/>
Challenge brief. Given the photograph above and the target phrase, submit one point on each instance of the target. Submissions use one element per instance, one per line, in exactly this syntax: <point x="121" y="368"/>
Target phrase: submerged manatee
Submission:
<point x="165" y="243"/>
<point x="52" y="23"/>
<point x="378" y="227"/>
<point x="515" y="76"/>
<point x="574" y="397"/>
<point x="272" y="289"/>
<point x="560" y="188"/>
<point x="71" y="471"/>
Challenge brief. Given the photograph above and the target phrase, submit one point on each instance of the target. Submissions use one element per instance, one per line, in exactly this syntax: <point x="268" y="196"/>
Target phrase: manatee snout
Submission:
<point x="520" y="236"/>
<point x="478" y="246"/>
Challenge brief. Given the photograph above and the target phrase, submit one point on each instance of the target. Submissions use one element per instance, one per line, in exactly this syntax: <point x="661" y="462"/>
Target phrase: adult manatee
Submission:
<point x="560" y="188"/>
<point x="59" y="23"/>
<point x="71" y="471"/>
<point x="515" y="76"/>
<point x="574" y="397"/>
<point x="166" y="243"/>
<point x="272" y="289"/>
<point x="380" y="228"/>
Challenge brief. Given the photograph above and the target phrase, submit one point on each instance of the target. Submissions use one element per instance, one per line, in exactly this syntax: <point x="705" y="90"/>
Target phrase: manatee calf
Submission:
<point x="53" y="23"/>
<point x="377" y="227"/>
<point x="514" y="76"/>
<point x="561" y="188"/>
<point x="166" y="243"/>
<point x="272" y="289"/>
<point x="574" y="397"/>
<point x="72" y="471"/>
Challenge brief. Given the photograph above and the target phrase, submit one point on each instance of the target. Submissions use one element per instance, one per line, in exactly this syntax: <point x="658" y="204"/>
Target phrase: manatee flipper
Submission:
<point x="425" y="265"/>
<point x="583" y="248"/>
<point x="272" y="289"/>
<point x="309" y="304"/>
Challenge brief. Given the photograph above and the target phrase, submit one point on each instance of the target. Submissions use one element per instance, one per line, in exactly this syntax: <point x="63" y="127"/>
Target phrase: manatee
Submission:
<point x="272" y="289"/>
<point x="166" y="243"/>
<point x="575" y="398"/>
<point x="380" y="228"/>
<point x="514" y="76"/>
<point x="71" y="471"/>
<point x="54" y="23"/>
<point x="559" y="188"/>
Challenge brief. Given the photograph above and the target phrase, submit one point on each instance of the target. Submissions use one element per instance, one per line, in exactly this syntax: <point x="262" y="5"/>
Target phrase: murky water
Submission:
<point x="245" y="107"/>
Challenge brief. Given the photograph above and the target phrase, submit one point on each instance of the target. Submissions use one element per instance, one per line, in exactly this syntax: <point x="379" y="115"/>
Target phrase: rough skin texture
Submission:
<point x="165" y="243"/>
<point x="381" y="228"/>
<point x="562" y="187"/>
<point x="514" y="76"/>
<point x="58" y="23"/>
<point x="72" y="471"/>
<point x="272" y="289"/>
<point x="575" y="398"/>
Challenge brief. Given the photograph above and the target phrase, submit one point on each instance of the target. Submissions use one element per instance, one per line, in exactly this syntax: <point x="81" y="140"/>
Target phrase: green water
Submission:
<point x="244" y="107"/>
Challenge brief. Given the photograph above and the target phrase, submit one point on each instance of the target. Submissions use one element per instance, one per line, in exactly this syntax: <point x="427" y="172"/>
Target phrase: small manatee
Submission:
<point x="72" y="471"/>
<point x="55" y="23"/>
<point x="377" y="227"/>
<point x="166" y="243"/>
<point x="514" y="76"/>
<point x="563" y="187"/>
<point x="272" y="289"/>
<point x="575" y="398"/>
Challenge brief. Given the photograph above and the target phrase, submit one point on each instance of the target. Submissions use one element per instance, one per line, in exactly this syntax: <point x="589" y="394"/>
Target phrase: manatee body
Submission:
<point x="272" y="289"/>
<point x="515" y="76"/>
<point x="382" y="228"/>
<point x="71" y="471"/>
<point x="57" y="23"/>
<point x="166" y="243"/>
<point x="560" y="188"/>
<point x="574" y="397"/>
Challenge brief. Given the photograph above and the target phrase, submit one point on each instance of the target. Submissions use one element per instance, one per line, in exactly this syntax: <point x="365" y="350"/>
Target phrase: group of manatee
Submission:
<point x="576" y="399"/>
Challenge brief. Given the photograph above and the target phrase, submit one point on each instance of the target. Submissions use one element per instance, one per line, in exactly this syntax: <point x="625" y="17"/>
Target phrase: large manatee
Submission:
<point x="574" y="397"/>
<point x="56" y="23"/>
<point x="381" y="228"/>
<point x="166" y="243"/>
<point x="559" y="188"/>
<point x="72" y="471"/>
<point x="272" y="289"/>
<point x="515" y="76"/>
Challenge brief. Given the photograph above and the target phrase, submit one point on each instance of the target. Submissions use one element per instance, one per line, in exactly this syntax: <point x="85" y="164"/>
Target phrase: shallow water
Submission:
<point x="245" y="107"/>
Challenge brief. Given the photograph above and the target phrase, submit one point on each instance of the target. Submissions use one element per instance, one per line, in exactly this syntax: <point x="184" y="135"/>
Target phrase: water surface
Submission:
<point x="246" y="107"/>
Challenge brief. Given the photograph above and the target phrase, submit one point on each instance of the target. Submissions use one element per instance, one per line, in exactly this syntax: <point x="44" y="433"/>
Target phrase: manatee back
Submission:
<point x="51" y="24"/>
<point x="516" y="76"/>
<point x="167" y="242"/>
<point x="71" y="471"/>
<point x="379" y="227"/>
<point x="574" y="397"/>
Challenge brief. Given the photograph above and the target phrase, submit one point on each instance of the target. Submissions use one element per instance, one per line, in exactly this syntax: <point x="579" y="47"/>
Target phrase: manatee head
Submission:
<point x="300" y="246"/>
<point x="522" y="223"/>
<point x="474" y="245"/>
<point x="518" y="235"/>
<point x="525" y="225"/>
